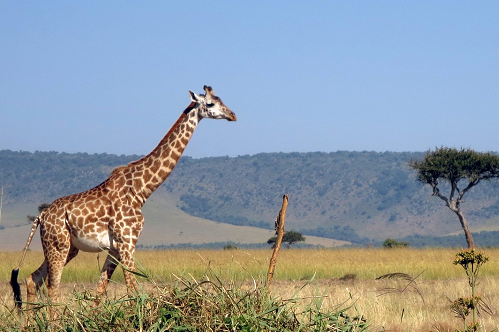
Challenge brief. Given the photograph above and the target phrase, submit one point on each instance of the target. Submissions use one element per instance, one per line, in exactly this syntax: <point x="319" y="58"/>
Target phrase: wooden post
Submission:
<point x="279" y="231"/>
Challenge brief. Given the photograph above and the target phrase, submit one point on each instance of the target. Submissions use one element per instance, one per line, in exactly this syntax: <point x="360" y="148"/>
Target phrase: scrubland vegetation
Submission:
<point x="312" y="290"/>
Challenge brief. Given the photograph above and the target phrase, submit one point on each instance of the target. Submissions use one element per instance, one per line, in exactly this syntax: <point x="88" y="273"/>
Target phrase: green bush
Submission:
<point x="391" y="243"/>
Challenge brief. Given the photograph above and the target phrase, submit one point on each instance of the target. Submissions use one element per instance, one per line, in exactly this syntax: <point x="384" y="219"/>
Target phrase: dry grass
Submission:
<point x="292" y="264"/>
<point x="393" y="304"/>
<point x="389" y="305"/>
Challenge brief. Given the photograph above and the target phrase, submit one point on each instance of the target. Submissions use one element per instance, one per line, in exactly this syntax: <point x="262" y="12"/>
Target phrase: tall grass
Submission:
<point x="340" y="275"/>
<point x="189" y="305"/>
<point x="292" y="264"/>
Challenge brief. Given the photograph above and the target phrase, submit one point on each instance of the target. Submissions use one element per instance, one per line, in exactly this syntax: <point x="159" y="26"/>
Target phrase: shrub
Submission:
<point x="391" y="243"/>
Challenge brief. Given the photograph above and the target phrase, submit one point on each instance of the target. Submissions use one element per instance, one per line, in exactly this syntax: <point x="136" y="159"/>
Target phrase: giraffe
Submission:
<point x="108" y="216"/>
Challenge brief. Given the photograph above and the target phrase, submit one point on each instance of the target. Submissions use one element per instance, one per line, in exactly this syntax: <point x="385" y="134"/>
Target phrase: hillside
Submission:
<point x="351" y="196"/>
<point x="166" y="225"/>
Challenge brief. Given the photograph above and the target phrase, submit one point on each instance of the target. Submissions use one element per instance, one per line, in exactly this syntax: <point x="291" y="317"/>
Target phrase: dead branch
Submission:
<point x="279" y="230"/>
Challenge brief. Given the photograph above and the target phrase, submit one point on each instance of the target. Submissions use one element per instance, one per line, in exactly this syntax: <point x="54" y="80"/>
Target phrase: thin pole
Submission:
<point x="279" y="229"/>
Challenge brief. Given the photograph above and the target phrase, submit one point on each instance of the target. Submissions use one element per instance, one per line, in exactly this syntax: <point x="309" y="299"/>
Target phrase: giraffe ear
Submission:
<point x="194" y="97"/>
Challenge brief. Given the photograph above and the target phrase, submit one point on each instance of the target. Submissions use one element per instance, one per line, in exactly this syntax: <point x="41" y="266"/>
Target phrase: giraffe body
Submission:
<point x="108" y="216"/>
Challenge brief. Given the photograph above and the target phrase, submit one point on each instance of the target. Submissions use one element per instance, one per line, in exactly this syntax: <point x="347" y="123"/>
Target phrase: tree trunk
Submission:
<point x="466" y="229"/>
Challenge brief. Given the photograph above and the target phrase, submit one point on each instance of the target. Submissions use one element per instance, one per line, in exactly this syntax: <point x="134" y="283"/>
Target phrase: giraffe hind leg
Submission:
<point x="73" y="251"/>
<point x="58" y="259"/>
<point x="35" y="281"/>
<point x="48" y="277"/>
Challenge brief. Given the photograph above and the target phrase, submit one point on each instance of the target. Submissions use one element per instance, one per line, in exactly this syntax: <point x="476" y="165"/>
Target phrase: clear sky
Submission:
<point x="113" y="76"/>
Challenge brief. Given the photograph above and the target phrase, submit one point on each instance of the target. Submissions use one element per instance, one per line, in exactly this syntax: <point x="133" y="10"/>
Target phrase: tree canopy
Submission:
<point x="462" y="169"/>
<point x="454" y="165"/>
<point x="289" y="238"/>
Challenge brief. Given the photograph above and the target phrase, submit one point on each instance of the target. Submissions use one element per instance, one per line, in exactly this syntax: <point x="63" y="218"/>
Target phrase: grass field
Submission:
<point x="339" y="275"/>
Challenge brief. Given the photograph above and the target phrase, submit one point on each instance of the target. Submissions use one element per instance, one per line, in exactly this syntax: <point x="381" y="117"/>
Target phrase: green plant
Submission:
<point x="209" y="304"/>
<point x="471" y="261"/>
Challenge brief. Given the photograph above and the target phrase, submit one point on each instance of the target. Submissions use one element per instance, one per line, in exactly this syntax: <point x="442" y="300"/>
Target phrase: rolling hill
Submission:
<point x="357" y="197"/>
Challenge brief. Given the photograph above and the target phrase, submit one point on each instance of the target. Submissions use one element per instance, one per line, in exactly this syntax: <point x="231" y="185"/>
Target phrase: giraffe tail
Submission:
<point x="16" y="288"/>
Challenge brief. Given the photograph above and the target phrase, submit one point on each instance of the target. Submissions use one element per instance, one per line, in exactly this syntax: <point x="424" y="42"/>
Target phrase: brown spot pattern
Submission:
<point x="109" y="215"/>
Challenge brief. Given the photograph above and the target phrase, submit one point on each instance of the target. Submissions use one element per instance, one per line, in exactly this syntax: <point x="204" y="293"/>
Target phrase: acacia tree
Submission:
<point x="289" y="238"/>
<point x="462" y="170"/>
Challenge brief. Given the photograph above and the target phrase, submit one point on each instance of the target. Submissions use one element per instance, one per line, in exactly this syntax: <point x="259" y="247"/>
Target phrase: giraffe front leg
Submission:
<point x="106" y="273"/>
<point x="128" y="268"/>
<point x="125" y="234"/>
<point x="126" y="239"/>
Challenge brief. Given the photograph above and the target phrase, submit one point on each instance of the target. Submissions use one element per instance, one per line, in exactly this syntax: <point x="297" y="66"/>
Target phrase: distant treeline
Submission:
<point x="220" y="245"/>
<point x="485" y="239"/>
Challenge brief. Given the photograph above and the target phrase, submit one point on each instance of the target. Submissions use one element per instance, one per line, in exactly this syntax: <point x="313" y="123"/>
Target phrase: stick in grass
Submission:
<point x="279" y="231"/>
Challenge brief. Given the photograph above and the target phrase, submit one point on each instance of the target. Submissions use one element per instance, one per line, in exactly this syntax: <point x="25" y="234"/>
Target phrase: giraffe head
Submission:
<point x="210" y="106"/>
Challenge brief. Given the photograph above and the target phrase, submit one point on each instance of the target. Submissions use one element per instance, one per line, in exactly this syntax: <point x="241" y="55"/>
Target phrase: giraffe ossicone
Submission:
<point x="108" y="216"/>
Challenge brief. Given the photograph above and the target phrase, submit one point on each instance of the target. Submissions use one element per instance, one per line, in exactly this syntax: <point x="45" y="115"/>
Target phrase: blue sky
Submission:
<point x="95" y="76"/>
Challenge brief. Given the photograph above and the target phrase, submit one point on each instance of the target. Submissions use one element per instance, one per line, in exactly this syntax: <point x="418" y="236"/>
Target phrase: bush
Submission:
<point x="391" y="243"/>
<point x="230" y="247"/>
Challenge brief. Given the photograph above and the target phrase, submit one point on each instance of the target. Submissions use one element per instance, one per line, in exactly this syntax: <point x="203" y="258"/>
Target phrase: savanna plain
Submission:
<point x="414" y="293"/>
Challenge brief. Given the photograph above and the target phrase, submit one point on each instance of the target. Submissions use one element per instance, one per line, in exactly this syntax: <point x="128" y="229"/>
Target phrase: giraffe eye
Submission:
<point x="210" y="104"/>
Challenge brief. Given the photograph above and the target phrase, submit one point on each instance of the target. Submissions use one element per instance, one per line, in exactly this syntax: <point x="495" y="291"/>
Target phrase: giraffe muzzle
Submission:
<point x="231" y="116"/>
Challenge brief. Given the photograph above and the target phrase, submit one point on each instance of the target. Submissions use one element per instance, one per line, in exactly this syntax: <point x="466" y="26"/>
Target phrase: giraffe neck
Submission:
<point x="147" y="174"/>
